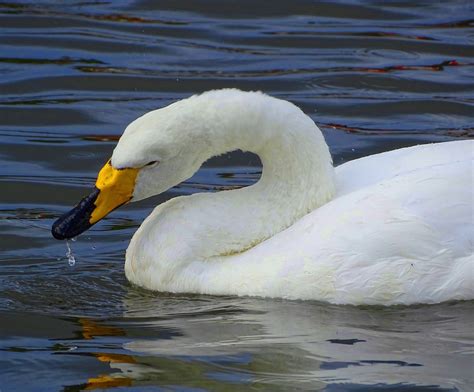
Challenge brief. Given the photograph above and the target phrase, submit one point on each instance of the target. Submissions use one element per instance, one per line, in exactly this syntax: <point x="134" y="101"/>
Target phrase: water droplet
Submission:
<point x="70" y="257"/>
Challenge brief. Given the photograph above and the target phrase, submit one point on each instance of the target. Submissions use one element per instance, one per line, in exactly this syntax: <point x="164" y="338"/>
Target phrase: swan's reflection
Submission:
<point x="230" y="343"/>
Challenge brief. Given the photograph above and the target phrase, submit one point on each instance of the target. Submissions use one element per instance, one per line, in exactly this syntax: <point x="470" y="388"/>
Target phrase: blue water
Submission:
<point x="374" y="75"/>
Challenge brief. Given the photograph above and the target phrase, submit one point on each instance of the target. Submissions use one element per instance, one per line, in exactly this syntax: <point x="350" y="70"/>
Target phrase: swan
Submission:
<point x="391" y="228"/>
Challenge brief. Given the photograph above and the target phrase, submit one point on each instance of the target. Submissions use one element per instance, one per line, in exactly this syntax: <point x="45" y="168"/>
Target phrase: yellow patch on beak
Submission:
<point x="116" y="188"/>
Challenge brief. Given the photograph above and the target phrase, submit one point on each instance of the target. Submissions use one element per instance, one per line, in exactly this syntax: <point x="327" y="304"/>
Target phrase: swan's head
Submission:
<point x="157" y="151"/>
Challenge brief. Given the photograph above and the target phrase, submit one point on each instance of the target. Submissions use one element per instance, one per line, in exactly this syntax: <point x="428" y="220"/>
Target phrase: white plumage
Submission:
<point x="392" y="228"/>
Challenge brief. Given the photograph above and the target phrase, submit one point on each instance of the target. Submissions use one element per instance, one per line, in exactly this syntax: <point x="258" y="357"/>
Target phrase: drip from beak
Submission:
<point x="113" y="188"/>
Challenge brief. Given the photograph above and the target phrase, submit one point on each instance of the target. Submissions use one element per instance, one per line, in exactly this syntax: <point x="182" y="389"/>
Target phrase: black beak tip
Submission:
<point x="76" y="221"/>
<point x="57" y="231"/>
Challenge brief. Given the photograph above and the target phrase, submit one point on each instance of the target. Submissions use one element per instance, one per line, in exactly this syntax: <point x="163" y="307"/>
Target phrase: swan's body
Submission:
<point x="392" y="228"/>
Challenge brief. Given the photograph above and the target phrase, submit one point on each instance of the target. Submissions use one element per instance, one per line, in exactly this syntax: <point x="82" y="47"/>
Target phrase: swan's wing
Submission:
<point x="360" y="173"/>
<point x="438" y="197"/>
<point x="405" y="239"/>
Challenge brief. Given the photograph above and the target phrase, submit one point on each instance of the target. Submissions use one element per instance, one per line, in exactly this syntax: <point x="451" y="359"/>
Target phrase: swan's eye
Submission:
<point x="152" y="163"/>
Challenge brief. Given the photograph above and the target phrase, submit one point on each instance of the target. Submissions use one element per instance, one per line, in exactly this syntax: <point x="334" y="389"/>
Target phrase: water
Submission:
<point x="71" y="259"/>
<point x="375" y="75"/>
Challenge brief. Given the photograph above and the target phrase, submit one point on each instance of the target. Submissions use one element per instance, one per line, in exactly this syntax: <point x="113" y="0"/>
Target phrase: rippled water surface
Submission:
<point x="375" y="75"/>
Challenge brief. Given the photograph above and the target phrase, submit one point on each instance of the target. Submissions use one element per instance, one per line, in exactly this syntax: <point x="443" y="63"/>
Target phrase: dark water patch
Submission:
<point x="62" y="61"/>
<point x="345" y="341"/>
<point x="250" y="10"/>
<point x="111" y="83"/>
<point x="42" y="116"/>
<point x="387" y="388"/>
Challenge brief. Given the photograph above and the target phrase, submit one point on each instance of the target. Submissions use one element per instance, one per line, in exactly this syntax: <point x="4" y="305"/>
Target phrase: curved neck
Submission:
<point x="297" y="175"/>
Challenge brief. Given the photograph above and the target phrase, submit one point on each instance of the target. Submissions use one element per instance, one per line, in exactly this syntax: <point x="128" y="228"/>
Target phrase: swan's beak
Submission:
<point x="113" y="188"/>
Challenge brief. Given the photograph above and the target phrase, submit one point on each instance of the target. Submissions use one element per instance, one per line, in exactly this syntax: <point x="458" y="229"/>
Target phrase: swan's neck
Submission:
<point x="297" y="177"/>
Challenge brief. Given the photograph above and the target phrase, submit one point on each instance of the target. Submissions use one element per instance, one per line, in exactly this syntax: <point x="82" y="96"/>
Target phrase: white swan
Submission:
<point x="392" y="228"/>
